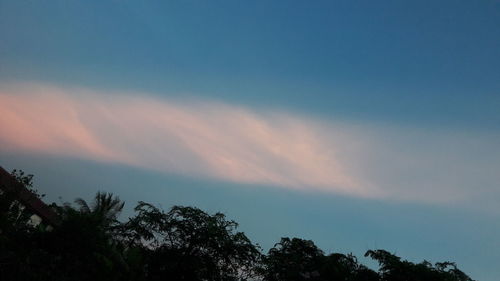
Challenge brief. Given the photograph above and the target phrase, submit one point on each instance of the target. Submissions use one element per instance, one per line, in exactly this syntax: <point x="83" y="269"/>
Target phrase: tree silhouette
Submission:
<point x="338" y="266"/>
<point x="189" y="244"/>
<point x="392" y="268"/>
<point x="185" y="243"/>
<point x="105" y="208"/>
<point x="293" y="259"/>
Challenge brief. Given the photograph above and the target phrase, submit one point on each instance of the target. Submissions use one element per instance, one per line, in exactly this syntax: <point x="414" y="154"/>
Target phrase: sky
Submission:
<point x="356" y="124"/>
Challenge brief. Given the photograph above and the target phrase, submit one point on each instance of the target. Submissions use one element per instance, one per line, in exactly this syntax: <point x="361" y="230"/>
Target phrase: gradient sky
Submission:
<point x="357" y="124"/>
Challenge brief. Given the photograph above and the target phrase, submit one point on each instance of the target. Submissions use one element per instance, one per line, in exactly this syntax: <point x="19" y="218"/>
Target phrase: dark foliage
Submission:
<point x="189" y="244"/>
<point x="184" y="243"/>
<point x="297" y="259"/>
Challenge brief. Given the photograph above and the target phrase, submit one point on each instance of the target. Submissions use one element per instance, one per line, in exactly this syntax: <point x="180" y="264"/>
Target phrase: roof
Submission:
<point x="9" y="184"/>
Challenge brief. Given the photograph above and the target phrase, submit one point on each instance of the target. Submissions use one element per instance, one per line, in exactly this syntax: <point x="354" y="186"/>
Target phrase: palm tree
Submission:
<point x="105" y="207"/>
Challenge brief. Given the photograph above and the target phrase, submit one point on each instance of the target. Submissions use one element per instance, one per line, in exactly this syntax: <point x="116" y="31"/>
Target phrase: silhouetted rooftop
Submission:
<point x="30" y="201"/>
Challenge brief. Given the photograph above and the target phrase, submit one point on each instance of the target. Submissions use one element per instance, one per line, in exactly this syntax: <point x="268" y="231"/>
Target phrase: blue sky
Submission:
<point x="357" y="124"/>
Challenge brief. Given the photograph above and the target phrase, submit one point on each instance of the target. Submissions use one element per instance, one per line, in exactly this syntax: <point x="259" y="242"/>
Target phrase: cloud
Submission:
<point x="201" y="139"/>
<point x="207" y="139"/>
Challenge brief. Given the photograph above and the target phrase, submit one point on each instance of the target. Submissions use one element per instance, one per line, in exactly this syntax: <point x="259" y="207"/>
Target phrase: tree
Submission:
<point x="81" y="247"/>
<point x="293" y="259"/>
<point x="14" y="227"/>
<point x="338" y="266"/>
<point x="105" y="208"/>
<point x="90" y="243"/>
<point x="392" y="268"/>
<point x="186" y="243"/>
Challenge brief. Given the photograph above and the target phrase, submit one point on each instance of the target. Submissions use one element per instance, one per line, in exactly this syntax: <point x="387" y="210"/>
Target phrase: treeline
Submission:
<point x="184" y="243"/>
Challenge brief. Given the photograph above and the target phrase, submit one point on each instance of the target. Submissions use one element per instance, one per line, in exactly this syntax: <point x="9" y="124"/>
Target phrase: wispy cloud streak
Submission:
<point x="200" y="139"/>
<point x="206" y="139"/>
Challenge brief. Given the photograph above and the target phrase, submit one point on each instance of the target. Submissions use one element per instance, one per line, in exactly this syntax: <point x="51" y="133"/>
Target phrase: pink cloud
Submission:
<point x="232" y="143"/>
<point x="200" y="139"/>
